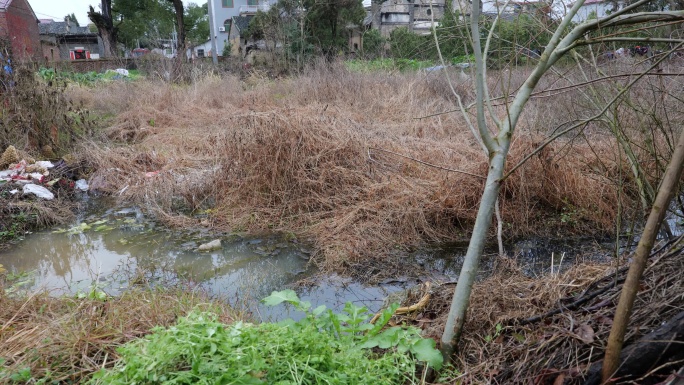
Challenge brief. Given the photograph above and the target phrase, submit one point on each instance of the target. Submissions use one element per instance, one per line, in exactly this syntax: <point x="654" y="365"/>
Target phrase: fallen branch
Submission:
<point x="409" y="309"/>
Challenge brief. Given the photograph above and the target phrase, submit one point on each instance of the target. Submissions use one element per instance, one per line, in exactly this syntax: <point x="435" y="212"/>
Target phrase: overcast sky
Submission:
<point x="57" y="9"/>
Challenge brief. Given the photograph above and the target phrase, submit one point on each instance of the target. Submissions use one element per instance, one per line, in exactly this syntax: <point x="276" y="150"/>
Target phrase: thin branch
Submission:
<point x="472" y="128"/>
<point x="421" y="162"/>
<point x="598" y="115"/>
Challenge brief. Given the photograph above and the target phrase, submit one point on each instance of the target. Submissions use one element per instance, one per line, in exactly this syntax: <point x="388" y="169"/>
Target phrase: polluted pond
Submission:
<point x="108" y="250"/>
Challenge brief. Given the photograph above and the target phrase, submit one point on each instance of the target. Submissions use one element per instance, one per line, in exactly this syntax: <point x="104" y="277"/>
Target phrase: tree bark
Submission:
<point x="636" y="270"/>
<point x="105" y="27"/>
<point x="649" y="352"/>
<point x="180" y="43"/>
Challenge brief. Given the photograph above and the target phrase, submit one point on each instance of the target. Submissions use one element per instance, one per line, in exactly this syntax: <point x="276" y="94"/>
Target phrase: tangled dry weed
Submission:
<point x="345" y="159"/>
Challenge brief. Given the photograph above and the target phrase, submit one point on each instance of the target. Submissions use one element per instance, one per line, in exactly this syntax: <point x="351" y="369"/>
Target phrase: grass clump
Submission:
<point x="322" y="348"/>
<point x="387" y="64"/>
<point x="90" y="78"/>
<point x="46" y="339"/>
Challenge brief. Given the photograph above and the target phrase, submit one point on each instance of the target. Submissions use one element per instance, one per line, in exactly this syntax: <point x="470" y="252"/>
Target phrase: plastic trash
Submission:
<point x="45" y="163"/>
<point x="121" y="71"/>
<point x="82" y="185"/>
<point x="39" y="191"/>
<point x="37" y="176"/>
<point x="213" y="245"/>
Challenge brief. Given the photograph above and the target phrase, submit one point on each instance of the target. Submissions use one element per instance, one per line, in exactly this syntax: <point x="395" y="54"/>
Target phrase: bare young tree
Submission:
<point x="636" y="270"/>
<point x="497" y="136"/>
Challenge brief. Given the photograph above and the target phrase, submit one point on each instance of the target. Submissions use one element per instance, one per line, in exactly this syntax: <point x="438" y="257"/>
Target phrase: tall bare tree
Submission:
<point x="496" y="132"/>
<point x="180" y="42"/>
<point x="636" y="270"/>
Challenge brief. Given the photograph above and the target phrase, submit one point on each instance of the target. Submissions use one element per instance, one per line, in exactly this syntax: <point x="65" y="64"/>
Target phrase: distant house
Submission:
<point x="200" y="50"/>
<point x="64" y="40"/>
<point x="19" y="25"/>
<point x="416" y="15"/>
<point x="221" y="20"/>
<point x="237" y="37"/>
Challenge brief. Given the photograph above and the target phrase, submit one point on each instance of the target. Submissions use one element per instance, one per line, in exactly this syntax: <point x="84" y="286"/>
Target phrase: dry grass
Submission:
<point x="297" y="155"/>
<point x="560" y="348"/>
<point x="65" y="340"/>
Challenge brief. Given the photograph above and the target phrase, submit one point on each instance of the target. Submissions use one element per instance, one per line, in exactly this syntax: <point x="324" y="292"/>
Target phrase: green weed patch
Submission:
<point x="322" y="348"/>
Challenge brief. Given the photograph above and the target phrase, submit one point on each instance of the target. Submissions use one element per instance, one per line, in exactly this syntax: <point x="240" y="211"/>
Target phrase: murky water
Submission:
<point x="110" y="248"/>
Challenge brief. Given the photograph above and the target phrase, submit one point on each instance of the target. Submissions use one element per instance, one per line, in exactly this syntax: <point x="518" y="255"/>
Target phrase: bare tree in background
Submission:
<point x="180" y="43"/>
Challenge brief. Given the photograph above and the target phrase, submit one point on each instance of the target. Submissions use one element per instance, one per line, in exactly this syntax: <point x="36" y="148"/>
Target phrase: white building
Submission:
<point x="221" y="13"/>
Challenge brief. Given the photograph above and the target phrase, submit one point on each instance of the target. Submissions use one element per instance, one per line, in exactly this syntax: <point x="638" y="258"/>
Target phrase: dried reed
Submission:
<point x="65" y="340"/>
<point x="328" y="155"/>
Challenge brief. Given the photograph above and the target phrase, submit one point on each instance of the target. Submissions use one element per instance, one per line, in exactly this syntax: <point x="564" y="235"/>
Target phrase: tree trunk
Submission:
<point x="105" y="27"/>
<point x="649" y="352"/>
<point x="631" y="286"/>
<point x="180" y="43"/>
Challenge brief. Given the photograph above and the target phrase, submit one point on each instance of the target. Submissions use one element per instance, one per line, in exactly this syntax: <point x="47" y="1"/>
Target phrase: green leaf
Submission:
<point x="317" y="311"/>
<point x="519" y="337"/>
<point x="278" y="297"/>
<point x="425" y="350"/>
<point x="384" y="318"/>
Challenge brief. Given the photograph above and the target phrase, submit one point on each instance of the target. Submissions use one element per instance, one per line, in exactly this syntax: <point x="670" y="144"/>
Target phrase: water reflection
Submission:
<point x="110" y="249"/>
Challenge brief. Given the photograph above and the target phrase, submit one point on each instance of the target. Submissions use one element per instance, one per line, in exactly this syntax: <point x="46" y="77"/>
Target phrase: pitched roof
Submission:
<point x="60" y="28"/>
<point x="242" y="22"/>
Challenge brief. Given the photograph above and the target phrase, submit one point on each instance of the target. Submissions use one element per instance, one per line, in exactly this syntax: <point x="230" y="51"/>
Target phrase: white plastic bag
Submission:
<point x="82" y="185"/>
<point x="39" y="191"/>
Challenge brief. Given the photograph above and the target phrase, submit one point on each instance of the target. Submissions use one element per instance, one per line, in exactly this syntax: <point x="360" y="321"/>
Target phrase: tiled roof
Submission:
<point x="60" y="28"/>
<point x="242" y="22"/>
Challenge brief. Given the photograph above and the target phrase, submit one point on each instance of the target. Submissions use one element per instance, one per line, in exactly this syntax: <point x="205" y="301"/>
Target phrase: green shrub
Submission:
<point x="322" y="348"/>
<point x="373" y="44"/>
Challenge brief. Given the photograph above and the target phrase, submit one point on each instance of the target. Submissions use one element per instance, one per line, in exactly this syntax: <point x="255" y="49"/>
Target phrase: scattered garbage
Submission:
<point x="45" y="164"/>
<point x="39" y="191"/>
<point x="82" y="185"/>
<point x="122" y="72"/>
<point x="213" y="245"/>
<point x="17" y="169"/>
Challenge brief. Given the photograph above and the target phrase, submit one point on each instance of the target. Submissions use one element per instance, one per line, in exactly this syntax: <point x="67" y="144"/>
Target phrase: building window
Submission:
<point x="429" y="12"/>
<point x="226" y="25"/>
<point x="200" y="52"/>
<point x="252" y="2"/>
<point x="227" y="3"/>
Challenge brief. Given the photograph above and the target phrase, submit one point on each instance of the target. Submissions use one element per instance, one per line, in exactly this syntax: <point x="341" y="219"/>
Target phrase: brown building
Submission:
<point x="19" y="26"/>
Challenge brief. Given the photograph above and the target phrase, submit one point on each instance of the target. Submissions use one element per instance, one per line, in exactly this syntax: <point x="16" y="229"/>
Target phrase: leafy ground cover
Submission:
<point x="322" y="348"/>
<point x="85" y="78"/>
